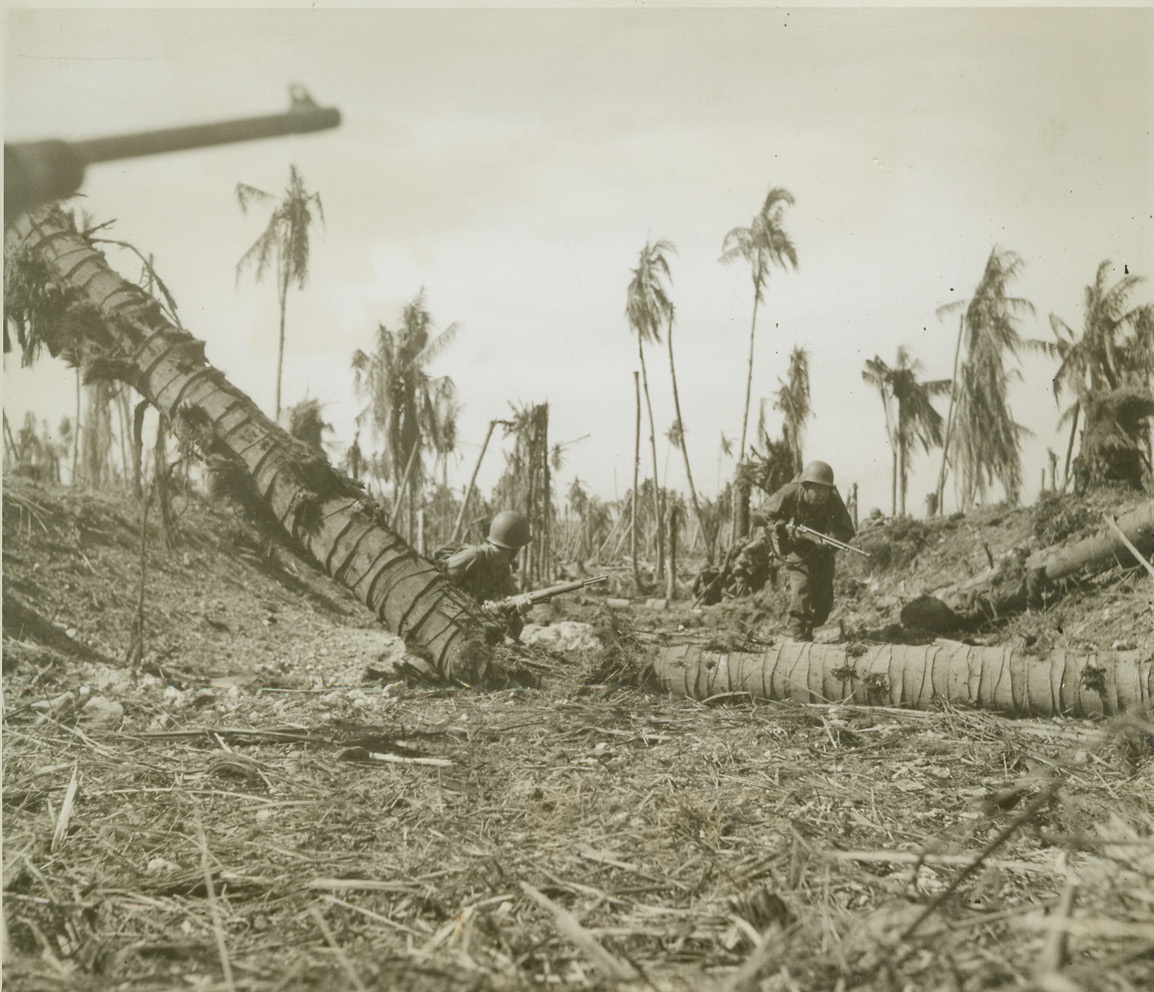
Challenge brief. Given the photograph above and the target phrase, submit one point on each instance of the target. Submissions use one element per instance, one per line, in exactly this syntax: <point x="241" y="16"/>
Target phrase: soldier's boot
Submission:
<point x="799" y="629"/>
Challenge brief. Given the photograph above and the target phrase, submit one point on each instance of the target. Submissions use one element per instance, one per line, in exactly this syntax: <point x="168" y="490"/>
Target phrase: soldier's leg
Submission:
<point x="821" y="587"/>
<point x="800" y="605"/>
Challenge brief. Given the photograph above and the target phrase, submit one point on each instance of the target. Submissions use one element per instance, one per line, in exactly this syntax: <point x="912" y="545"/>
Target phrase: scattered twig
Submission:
<point x="1054" y="955"/>
<point x="342" y="958"/>
<point x="210" y="894"/>
<point x="1003" y="835"/>
<point x="1120" y="534"/>
<point x="66" y="810"/>
<point x="613" y="967"/>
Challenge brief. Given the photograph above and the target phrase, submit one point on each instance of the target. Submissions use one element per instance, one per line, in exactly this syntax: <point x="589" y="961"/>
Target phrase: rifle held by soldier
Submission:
<point x="801" y="530"/>
<point x="38" y="172"/>
<point x="525" y="600"/>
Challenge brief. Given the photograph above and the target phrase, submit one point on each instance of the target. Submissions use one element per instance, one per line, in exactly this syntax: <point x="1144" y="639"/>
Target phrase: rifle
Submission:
<point x="527" y="599"/>
<point x="37" y="172"/>
<point x="830" y="542"/>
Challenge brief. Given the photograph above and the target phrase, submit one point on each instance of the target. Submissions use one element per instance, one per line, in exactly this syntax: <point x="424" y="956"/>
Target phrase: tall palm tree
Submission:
<point x="88" y="315"/>
<point x="761" y="245"/>
<point x="406" y="408"/>
<point x="988" y="441"/>
<point x="878" y="374"/>
<point x="647" y="307"/>
<point x="911" y="419"/>
<point x="654" y="261"/>
<point x="1115" y="350"/>
<point x="284" y="244"/>
<point x="792" y="399"/>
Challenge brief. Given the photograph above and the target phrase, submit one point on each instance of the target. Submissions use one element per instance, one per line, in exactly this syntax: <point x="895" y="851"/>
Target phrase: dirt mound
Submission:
<point x="231" y="787"/>
<point x="211" y="598"/>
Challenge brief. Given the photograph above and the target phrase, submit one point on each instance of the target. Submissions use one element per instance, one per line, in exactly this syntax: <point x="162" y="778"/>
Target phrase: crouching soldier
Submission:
<point x="812" y="500"/>
<point x="485" y="571"/>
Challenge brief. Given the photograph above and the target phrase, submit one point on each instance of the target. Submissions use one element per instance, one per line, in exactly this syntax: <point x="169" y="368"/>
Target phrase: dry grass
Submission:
<point x="295" y="827"/>
<point x="734" y="847"/>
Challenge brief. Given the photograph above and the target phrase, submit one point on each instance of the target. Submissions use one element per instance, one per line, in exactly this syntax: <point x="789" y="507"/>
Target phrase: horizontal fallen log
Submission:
<point x="1004" y="679"/>
<point x="1016" y="582"/>
<point x="1102" y="550"/>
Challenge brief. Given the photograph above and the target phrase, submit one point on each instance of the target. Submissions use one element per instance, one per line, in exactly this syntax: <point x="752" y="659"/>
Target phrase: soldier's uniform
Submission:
<point x="485" y="571"/>
<point x="482" y="570"/>
<point x="809" y="566"/>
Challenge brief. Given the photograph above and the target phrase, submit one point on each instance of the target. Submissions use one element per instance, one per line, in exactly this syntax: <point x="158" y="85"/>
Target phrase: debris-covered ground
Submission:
<point x="242" y="792"/>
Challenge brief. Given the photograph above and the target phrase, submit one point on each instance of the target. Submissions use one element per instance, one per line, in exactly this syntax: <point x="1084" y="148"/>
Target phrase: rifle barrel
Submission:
<point x="37" y="172"/>
<point x="173" y="139"/>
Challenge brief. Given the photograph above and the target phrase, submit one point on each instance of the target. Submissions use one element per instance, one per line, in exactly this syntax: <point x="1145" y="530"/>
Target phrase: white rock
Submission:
<point x="565" y="635"/>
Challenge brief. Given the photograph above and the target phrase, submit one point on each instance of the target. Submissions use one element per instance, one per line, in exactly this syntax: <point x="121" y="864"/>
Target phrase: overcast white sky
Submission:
<point x="513" y="162"/>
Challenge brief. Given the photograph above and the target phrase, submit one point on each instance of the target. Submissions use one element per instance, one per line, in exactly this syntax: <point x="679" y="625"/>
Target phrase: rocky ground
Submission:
<point x="216" y="775"/>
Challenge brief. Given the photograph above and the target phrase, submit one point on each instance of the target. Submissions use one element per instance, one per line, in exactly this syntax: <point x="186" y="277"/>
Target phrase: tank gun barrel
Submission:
<point x="37" y="172"/>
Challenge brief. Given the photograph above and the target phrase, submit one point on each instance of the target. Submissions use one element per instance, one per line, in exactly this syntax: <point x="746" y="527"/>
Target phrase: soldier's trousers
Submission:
<point x="810" y="592"/>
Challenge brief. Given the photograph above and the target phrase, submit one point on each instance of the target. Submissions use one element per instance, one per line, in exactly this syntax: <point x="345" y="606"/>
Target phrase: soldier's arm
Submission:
<point x="842" y="525"/>
<point x="460" y="563"/>
<point x="781" y="506"/>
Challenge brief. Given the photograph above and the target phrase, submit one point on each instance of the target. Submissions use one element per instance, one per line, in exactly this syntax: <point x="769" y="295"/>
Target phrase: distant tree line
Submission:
<point x="407" y="427"/>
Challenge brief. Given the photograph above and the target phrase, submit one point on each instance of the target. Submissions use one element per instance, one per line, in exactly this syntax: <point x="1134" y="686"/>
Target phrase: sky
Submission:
<point x="513" y="162"/>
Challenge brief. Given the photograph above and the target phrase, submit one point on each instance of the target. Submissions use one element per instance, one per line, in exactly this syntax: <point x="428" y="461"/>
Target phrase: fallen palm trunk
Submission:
<point x="60" y="288"/>
<point x="1005" y="679"/>
<point x="1015" y="584"/>
<point x="1101" y="551"/>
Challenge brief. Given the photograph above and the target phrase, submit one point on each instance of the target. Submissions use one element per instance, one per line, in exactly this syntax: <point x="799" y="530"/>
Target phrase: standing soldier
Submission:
<point x="485" y="571"/>
<point x="811" y="499"/>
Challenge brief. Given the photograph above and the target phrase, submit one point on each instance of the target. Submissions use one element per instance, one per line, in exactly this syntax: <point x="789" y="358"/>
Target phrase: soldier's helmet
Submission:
<point x="509" y="529"/>
<point x="819" y="473"/>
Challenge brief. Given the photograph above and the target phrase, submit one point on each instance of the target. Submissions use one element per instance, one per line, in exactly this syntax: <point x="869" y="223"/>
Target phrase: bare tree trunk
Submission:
<point x="124" y="431"/>
<point x="138" y="449"/>
<point x="402" y="487"/>
<point x="9" y="442"/>
<point x="903" y="471"/>
<point x="1070" y="446"/>
<point x="894" y="481"/>
<point x="671" y="575"/>
<point x="1006" y="679"/>
<point x="473" y="480"/>
<point x="546" y="542"/>
<point x="748" y="380"/>
<point x="741" y="490"/>
<point x="280" y="346"/>
<point x="76" y="434"/>
<point x="658" y="509"/>
<point x="684" y="447"/>
<point x="636" y="474"/>
<point x="325" y="513"/>
<point x="950" y="416"/>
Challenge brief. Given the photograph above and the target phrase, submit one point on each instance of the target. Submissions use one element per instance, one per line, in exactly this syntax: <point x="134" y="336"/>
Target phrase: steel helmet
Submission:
<point x="509" y="529"/>
<point x="819" y="473"/>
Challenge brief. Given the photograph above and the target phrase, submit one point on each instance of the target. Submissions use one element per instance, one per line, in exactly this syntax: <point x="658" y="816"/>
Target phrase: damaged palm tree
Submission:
<point x="60" y="293"/>
<point x="1019" y="581"/>
<point x="1005" y="678"/>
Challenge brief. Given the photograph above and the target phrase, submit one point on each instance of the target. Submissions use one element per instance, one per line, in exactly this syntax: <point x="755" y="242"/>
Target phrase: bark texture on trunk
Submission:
<point x="1015" y="584"/>
<point x="106" y="321"/>
<point x="1099" y="551"/>
<point x="1004" y="679"/>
